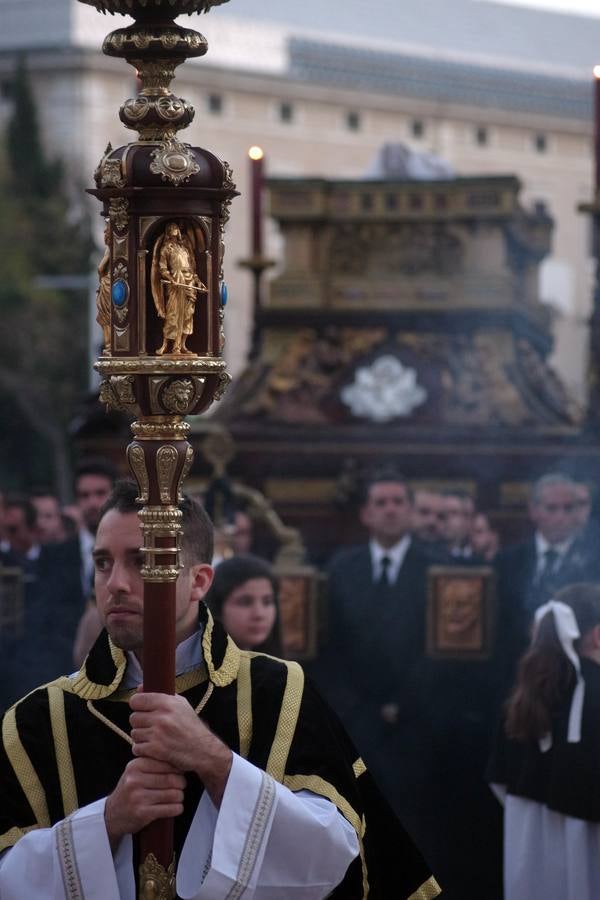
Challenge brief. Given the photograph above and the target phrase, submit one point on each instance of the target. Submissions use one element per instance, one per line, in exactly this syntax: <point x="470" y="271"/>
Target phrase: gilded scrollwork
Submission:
<point x="137" y="463"/>
<point x="228" y="184"/>
<point x="118" y="392"/>
<point x="118" y="212"/>
<point x="120" y="291"/>
<point x="166" y="465"/>
<point x="109" y="172"/>
<point x="174" y="162"/>
<point x="156" y="882"/>
<point x="204" y="365"/>
<point x="187" y="465"/>
<point x="224" y="382"/>
<point x="112" y="174"/>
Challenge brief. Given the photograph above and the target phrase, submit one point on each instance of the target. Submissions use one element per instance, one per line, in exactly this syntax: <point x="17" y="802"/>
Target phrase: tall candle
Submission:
<point x="256" y="177"/>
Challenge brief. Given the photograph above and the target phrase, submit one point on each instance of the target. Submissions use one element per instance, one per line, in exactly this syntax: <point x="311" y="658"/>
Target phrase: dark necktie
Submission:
<point x="551" y="557"/>
<point x="384" y="576"/>
<point x="546" y="578"/>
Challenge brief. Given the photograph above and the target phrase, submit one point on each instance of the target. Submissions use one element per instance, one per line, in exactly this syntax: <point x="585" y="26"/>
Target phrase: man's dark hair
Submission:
<point x="384" y="474"/>
<point x="18" y="501"/>
<point x="96" y="465"/>
<point x="233" y="572"/>
<point x="197" y="527"/>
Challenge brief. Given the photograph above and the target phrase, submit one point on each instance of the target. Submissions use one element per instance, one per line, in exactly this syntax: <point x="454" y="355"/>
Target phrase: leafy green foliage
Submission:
<point x="43" y="340"/>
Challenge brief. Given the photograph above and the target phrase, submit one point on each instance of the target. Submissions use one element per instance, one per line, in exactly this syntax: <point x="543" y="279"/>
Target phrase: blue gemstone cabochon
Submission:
<point x="224" y="294"/>
<point x="119" y="292"/>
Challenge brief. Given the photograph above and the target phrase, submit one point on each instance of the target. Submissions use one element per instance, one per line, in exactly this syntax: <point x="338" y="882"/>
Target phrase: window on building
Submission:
<point x="286" y="112"/>
<point x="353" y="121"/>
<point x="417" y="128"/>
<point x="540" y="142"/>
<point x="481" y="135"/>
<point x="214" y="104"/>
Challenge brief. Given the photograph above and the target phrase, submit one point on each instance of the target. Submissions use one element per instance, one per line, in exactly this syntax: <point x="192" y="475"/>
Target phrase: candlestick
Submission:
<point x="256" y="177"/>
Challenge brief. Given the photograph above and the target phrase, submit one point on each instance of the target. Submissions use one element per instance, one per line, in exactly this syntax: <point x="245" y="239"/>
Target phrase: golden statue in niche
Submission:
<point x="103" y="300"/>
<point x="175" y="286"/>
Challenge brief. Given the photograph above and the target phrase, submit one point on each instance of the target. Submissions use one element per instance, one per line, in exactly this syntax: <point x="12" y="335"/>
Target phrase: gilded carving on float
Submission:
<point x="175" y="287"/>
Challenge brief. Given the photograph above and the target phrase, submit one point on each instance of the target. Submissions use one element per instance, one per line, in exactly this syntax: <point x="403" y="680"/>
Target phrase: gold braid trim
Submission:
<point x="323" y="788"/>
<point x="68" y="789"/>
<point x="359" y="767"/>
<point x="227" y="671"/>
<point x="23" y="769"/>
<point x="428" y="890"/>
<point x="244" y="704"/>
<point x="288" y="718"/>
<point x="89" y="690"/>
<point x="10" y="838"/>
<point x="207" y="695"/>
<point x="123" y="734"/>
<point x="106" y="721"/>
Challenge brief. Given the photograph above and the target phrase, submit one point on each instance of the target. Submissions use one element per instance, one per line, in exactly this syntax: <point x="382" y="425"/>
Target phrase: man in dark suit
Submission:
<point x="376" y="594"/>
<point x="530" y="573"/>
<point x="66" y="570"/>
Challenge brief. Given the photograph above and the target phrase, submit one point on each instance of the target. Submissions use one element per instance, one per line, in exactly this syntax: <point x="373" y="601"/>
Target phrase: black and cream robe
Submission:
<point x="67" y="743"/>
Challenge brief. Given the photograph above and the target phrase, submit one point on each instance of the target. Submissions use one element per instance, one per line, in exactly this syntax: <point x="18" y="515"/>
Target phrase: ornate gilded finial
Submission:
<point x="160" y="302"/>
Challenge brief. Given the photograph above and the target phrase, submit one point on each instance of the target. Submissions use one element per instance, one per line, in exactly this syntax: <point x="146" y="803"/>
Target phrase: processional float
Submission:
<point x="160" y="303"/>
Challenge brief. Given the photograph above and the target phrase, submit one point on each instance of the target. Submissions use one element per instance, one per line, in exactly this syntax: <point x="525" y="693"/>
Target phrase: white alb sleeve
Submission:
<point x="71" y="859"/>
<point x="265" y="842"/>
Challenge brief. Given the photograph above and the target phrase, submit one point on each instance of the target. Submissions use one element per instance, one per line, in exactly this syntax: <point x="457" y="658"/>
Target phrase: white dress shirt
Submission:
<point x="395" y="555"/>
<point x="542" y="546"/>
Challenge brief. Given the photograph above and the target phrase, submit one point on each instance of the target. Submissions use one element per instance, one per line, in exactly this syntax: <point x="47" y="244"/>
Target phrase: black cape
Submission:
<point x="565" y="778"/>
<point x="66" y="745"/>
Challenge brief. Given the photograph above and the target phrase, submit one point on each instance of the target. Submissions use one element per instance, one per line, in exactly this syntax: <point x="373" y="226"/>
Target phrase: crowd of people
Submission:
<point x="433" y="728"/>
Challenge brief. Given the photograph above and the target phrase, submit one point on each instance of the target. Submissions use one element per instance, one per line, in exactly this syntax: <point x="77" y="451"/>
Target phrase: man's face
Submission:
<point x="583" y="505"/>
<point x="554" y="512"/>
<point x="118" y="560"/>
<point x="91" y="492"/>
<point x="49" y="522"/>
<point x="387" y="512"/>
<point x="427" y="515"/>
<point x="457" y="514"/>
<point x="482" y="535"/>
<point x="19" y="535"/>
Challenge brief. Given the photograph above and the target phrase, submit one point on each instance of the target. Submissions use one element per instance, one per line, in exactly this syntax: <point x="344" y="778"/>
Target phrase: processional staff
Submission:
<point x="140" y="186"/>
